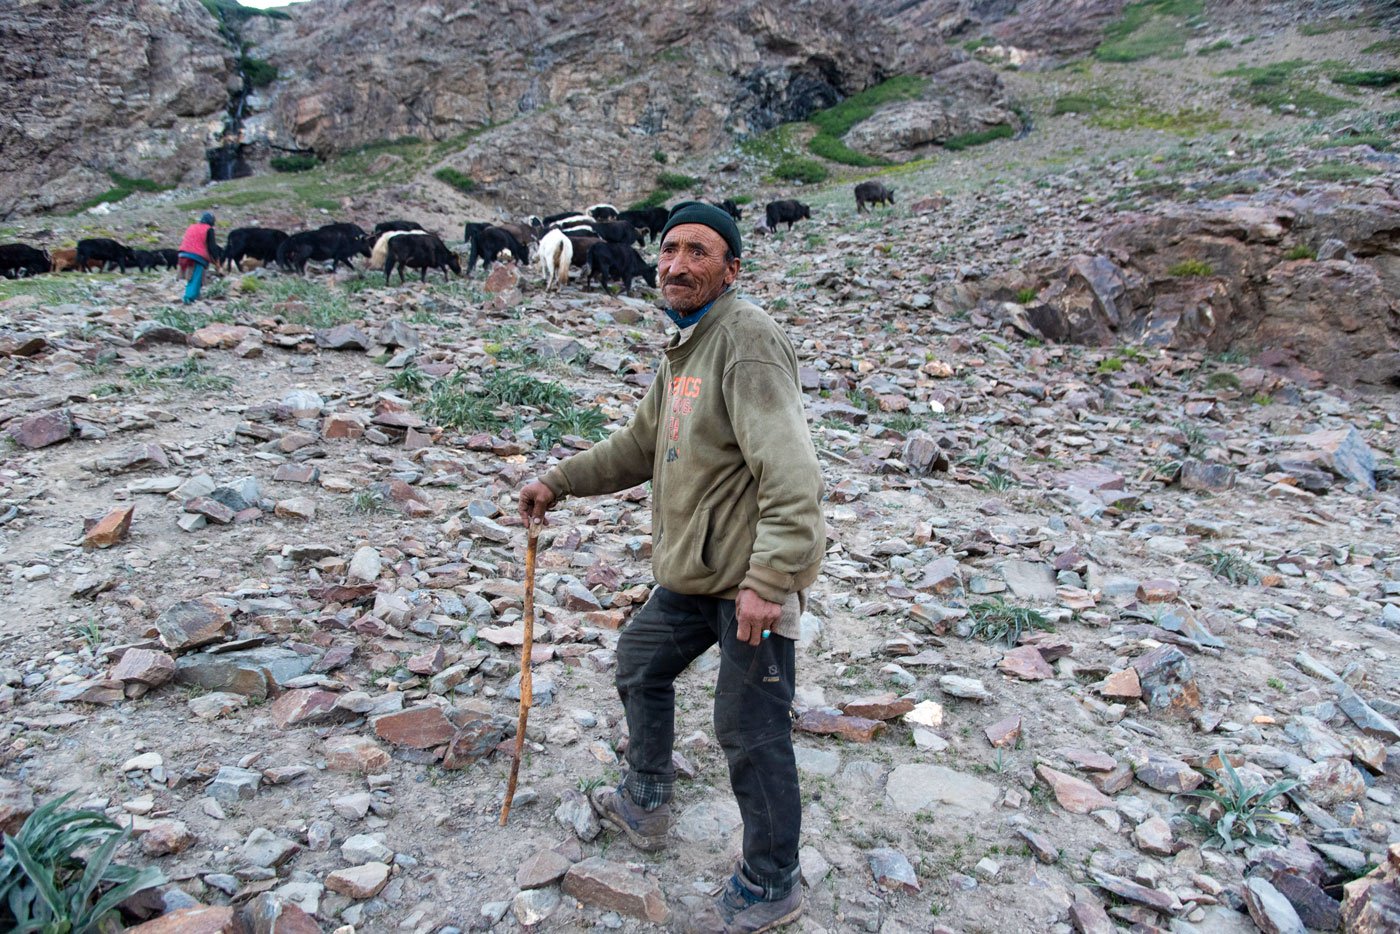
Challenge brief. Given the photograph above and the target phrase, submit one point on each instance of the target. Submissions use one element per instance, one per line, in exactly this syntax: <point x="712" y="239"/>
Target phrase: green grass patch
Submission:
<point x="1220" y="45"/>
<point x="656" y="199"/>
<point x="122" y="187"/>
<point x="979" y="138"/>
<point x="742" y="200"/>
<point x="829" y="147"/>
<point x="233" y="11"/>
<point x="797" y="169"/>
<point x="1380" y="78"/>
<point x="1301" y="251"/>
<point x="1376" y="141"/>
<point x="298" y="162"/>
<point x="1080" y="104"/>
<point x="1150" y="29"/>
<point x="231" y="200"/>
<point x="1384" y="47"/>
<point x="1190" y="269"/>
<point x="189" y="374"/>
<point x="1332" y="24"/>
<point x="972" y="45"/>
<point x="259" y="72"/>
<point x="303" y="301"/>
<point x="675" y="181"/>
<point x="1184" y="122"/>
<point x="1278" y="85"/>
<point x="458" y="180"/>
<point x="1338" y="172"/>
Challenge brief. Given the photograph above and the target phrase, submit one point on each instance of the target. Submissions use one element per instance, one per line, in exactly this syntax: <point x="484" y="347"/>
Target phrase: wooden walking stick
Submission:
<point x="527" y="692"/>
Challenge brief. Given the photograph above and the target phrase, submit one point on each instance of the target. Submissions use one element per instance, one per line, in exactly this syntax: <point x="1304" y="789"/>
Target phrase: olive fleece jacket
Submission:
<point x="736" y="488"/>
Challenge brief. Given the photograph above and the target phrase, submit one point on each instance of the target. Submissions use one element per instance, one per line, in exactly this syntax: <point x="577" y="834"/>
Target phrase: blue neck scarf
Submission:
<point x="685" y="321"/>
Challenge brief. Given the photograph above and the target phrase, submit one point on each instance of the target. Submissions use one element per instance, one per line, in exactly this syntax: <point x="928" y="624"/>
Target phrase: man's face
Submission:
<point x="691" y="269"/>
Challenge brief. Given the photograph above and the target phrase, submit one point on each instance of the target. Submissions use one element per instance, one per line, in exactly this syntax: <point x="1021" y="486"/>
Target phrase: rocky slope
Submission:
<point x="137" y="87"/>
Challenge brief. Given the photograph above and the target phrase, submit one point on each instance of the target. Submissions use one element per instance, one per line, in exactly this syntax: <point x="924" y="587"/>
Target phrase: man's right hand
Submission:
<point x="535" y="500"/>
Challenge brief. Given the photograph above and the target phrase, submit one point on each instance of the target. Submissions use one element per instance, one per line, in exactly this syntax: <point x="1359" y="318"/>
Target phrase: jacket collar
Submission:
<point x="716" y="310"/>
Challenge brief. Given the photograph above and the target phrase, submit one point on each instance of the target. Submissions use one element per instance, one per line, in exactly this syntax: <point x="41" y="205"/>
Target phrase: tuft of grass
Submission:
<point x="1220" y="45"/>
<point x="675" y="181"/>
<point x="188" y="374"/>
<point x="835" y="122"/>
<point x="829" y="147"/>
<point x="903" y="422"/>
<point x="1150" y="29"/>
<point x="518" y="388"/>
<point x="458" y="180"/>
<point x="1379" y="78"/>
<point x="368" y="501"/>
<point x="1338" y="172"/>
<point x="297" y="162"/>
<point x="1027" y="295"/>
<point x="122" y="187"/>
<point x="1244" y="815"/>
<point x="46" y="886"/>
<point x="1080" y="104"/>
<point x="590" y="423"/>
<point x="656" y="199"/>
<point x="1191" y="269"/>
<point x="997" y="621"/>
<point x="797" y="169"/>
<point x="979" y="138"/>
<point x="659" y="156"/>
<point x="409" y="381"/>
<point x="182" y="319"/>
<point x="1384" y="47"/>
<point x="259" y="72"/>
<point x="1301" y="251"/>
<point x="1331" y="24"/>
<point x="1230" y="565"/>
<point x="1223" y="381"/>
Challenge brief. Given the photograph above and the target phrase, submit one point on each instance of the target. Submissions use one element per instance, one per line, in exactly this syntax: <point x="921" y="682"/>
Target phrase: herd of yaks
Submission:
<point x="601" y="240"/>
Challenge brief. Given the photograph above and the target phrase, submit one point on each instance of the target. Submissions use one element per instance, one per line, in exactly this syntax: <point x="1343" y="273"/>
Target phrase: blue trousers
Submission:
<point x="196" y="276"/>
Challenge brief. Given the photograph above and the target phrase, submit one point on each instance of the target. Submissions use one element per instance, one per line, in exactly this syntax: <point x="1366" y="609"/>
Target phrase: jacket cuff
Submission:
<point x="557" y="481"/>
<point x="773" y="586"/>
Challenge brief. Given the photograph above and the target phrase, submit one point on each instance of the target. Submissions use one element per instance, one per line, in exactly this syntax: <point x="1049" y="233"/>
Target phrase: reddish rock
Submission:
<point x="429" y="662"/>
<point x="355" y="754"/>
<point x="1074" y="794"/>
<point x="359" y="882"/>
<point x="341" y="426"/>
<point x="305" y="705"/>
<point x="940" y="576"/>
<point x="503" y="276"/>
<point x="1371" y="904"/>
<point x="614" y="887"/>
<point x="222" y="336"/>
<point x="1087" y="759"/>
<point x="1332" y="782"/>
<point x="418" y="727"/>
<point x="43" y="429"/>
<point x="605" y="619"/>
<point x="1114" y="780"/>
<point x="144" y="666"/>
<point x="166" y="837"/>
<point x="1124" y="684"/>
<point x="1088" y="916"/>
<point x="89" y="691"/>
<point x="475" y="740"/>
<point x="1168" y="681"/>
<point x="296" y="473"/>
<point x="193" y="623"/>
<point x="110" y="529"/>
<point x="1089" y="478"/>
<point x="298" y="507"/>
<point x="1158" y="590"/>
<point x="211" y="509"/>
<point x="1167" y="774"/>
<point x="1005" y="732"/>
<point x="1026" y="663"/>
<point x="853" y="729"/>
<point x="887" y="706"/>
<point x="202" y="920"/>
<point x="544" y="868"/>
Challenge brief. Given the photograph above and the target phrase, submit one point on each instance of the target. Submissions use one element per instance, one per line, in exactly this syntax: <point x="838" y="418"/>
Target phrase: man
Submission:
<point x="197" y="249"/>
<point x="738" y="536"/>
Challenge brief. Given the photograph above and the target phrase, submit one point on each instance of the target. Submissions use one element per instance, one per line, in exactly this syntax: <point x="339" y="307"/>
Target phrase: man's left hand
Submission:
<point x="755" y="616"/>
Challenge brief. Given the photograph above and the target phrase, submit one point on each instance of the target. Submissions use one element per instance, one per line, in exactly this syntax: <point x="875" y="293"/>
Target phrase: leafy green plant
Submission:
<point x="189" y="374"/>
<point x="968" y="140"/>
<point x="297" y="162"/>
<point x="368" y="501"/>
<point x="1301" y="251"/>
<point x="659" y="156"/>
<point x="1231" y="565"/>
<point x="656" y="199"/>
<point x="1338" y="172"/>
<point x="1027" y="295"/>
<point x="1220" y="45"/>
<point x="457" y="179"/>
<point x="1245" y="815"/>
<point x="1222" y="381"/>
<point x="46" y="886"/>
<point x="587" y="423"/>
<point x="1190" y="268"/>
<point x="997" y="621"/>
<point x="451" y="404"/>
<point x="410" y="380"/>
<point x="514" y="387"/>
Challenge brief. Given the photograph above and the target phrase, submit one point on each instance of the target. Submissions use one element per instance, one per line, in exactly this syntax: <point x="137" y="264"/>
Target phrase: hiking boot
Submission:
<point x="616" y="810"/>
<point x="740" y="909"/>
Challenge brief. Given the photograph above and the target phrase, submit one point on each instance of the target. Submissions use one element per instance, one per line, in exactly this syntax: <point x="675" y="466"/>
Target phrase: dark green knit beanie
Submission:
<point x="717" y="219"/>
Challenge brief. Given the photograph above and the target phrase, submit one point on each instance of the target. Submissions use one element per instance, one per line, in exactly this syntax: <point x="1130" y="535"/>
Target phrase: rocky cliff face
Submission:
<point x="137" y="87"/>
<point x="574" y="103"/>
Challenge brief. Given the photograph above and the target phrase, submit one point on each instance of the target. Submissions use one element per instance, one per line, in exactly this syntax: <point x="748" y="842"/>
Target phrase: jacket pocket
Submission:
<point x="705" y="542"/>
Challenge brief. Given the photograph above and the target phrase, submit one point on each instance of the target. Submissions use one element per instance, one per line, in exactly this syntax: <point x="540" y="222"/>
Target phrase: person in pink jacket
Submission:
<point x="197" y="250"/>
